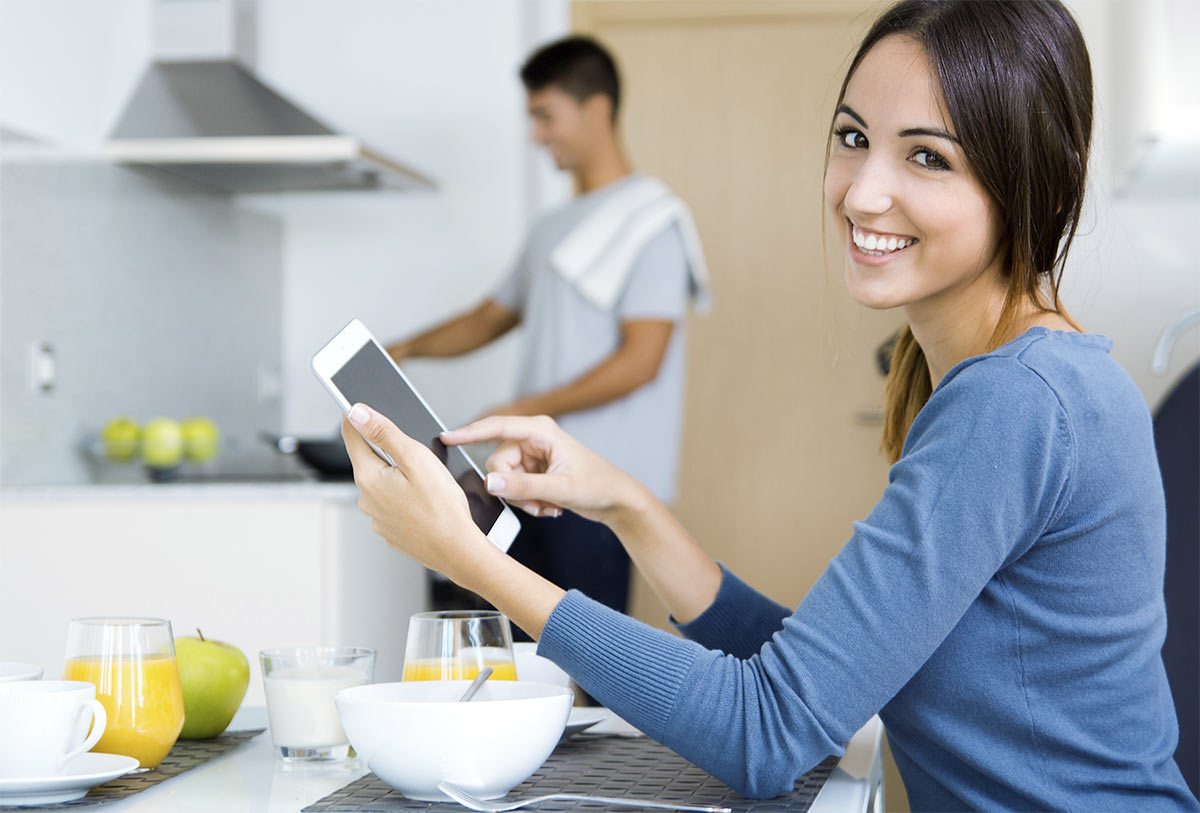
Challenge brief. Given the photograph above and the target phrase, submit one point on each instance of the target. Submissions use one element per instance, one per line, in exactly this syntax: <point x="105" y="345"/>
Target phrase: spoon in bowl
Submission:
<point x="476" y="684"/>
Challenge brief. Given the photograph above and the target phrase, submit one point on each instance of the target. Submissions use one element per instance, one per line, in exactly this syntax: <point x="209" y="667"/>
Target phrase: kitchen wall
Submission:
<point x="156" y="297"/>
<point x="155" y="300"/>
<point x="434" y="84"/>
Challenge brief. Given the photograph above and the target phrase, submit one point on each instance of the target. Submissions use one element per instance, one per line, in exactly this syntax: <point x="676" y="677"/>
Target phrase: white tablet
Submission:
<point x="355" y="368"/>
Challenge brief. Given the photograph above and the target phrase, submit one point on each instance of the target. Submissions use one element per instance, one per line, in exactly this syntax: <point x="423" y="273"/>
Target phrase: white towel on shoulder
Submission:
<point x="597" y="256"/>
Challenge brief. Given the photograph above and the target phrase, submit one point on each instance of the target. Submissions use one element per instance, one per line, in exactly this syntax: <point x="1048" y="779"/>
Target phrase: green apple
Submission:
<point x="162" y="443"/>
<point x="214" y="676"/>
<point x="120" y="438"/>
<point x="200" y="438"/>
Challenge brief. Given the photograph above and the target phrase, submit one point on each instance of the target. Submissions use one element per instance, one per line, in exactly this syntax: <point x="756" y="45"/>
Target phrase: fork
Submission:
<point x="467" y="800"/>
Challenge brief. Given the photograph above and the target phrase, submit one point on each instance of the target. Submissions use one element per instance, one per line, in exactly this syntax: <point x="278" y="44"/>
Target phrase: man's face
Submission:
<point x="567" y="128"/>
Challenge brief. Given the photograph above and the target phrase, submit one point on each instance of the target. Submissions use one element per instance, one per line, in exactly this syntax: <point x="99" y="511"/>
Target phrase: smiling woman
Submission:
<point x="1001" y="607"/>
<point x="980" y="158"/>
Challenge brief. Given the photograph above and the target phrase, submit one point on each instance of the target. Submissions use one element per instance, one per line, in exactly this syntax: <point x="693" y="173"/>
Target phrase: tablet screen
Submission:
<point x="368" y="377"/>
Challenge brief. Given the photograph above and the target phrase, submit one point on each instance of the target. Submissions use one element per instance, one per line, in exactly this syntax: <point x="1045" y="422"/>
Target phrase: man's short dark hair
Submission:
<point x="579" y="66"/>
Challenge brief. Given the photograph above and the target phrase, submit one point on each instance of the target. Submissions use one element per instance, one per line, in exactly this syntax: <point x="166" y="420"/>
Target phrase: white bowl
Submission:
<point x="19" y="671"/>
<point x="532" y="666"/>
<point x="414" y="735"/>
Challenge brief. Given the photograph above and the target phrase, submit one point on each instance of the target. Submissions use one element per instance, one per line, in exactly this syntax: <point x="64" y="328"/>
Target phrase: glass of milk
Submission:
<point x="300" y="683"/>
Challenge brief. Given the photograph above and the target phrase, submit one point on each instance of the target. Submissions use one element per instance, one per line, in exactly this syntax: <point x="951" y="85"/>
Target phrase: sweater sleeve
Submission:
<point x="985" y="469"/>
<point x="739" y="621"/>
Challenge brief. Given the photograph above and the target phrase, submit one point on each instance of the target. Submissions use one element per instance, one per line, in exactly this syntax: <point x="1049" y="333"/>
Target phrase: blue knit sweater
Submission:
<point x="1001" y="608"/>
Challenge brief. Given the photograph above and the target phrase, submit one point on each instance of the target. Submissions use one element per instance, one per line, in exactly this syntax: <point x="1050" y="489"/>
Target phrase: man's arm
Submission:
<point x="634" y="364"/>
<point x="461" y="334"/>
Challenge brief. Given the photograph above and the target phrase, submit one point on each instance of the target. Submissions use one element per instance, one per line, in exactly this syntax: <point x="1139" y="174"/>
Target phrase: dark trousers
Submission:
<point x="576" y="554"/>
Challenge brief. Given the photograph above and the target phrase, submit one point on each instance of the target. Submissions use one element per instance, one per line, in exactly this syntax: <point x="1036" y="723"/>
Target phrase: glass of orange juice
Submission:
<point x="456" y="644"/>
<point x="132" y="663"/>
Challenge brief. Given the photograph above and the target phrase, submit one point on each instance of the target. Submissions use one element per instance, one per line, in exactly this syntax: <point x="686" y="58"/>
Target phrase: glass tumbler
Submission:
<point x="457" y="644"/>
<point x="131" y="661"/>
<point x="300" y="683"/>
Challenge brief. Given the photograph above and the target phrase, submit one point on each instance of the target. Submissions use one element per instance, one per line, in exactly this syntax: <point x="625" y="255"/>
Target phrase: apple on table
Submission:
<point x="214" y="676"/>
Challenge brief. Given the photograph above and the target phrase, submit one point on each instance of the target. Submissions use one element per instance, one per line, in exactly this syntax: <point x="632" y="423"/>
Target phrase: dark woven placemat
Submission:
<point x="597" y="765"/>
<point x="183" y="756"/>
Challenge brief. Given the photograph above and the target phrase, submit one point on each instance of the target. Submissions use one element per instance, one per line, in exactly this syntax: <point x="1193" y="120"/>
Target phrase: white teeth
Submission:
<point x="876" y="243"/>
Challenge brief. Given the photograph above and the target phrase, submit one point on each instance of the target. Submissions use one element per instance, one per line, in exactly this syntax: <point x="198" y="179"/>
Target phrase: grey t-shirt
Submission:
<point x="565" y="336"/>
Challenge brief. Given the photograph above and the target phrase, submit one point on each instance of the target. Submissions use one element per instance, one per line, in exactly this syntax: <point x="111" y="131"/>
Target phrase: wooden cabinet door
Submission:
<point x="729" y="103"/>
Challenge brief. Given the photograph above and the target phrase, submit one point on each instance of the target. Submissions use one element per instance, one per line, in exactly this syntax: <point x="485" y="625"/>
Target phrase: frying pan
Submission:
<point x="326" y="455"/>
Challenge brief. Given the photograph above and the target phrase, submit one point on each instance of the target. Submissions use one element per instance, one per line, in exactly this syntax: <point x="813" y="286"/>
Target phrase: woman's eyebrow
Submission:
<point x="846" y="109"/>
<point x="911" y="131"/>
<point x="926" y="131"/>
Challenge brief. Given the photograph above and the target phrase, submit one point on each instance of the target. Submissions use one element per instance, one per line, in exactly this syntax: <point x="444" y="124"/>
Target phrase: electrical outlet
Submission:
<point x="43" y="368"/>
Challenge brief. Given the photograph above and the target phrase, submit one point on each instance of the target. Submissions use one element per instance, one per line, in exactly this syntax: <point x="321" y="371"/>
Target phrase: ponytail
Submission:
<point x="908" y="388"/>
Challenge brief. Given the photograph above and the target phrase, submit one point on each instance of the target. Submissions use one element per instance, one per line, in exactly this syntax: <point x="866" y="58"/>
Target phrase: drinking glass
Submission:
<point x="131" y="661"/>
<point x="457" y="644"/>
<point x="300" y="683"/>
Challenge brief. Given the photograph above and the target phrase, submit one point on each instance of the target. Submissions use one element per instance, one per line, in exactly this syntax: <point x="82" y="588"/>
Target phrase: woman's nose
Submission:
<point x="871" y="189"/>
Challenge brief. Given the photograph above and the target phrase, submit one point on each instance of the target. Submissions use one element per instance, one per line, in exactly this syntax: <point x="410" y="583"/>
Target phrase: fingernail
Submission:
<point x="495" y="483"/>
<point x="554" y="512"/>
<point x="358" y="415"/>
<point x="535" y="510"/>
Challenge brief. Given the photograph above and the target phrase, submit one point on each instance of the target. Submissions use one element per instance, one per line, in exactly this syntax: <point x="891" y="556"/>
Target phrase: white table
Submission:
<point x="250" y="779"/>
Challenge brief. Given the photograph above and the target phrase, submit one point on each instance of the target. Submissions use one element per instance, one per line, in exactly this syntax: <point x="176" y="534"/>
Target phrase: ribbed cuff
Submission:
<point x="739" y="621"/>
<point x="634" y="669"/>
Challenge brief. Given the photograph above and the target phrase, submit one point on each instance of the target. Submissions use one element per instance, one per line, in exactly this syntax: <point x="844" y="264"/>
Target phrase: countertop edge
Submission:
<point x="314" y="490"/>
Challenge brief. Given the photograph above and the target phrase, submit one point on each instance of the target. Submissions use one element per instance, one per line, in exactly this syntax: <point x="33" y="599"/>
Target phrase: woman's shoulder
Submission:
<point x="1070" y="370"/>
<point x="1068" y="363"/>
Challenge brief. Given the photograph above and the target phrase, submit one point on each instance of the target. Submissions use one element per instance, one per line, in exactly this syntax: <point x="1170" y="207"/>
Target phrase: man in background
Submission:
<point x="601" y="287"/>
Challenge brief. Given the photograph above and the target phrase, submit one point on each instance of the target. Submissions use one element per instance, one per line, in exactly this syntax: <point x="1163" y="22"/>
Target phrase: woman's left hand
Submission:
<point x="416" y="505"/>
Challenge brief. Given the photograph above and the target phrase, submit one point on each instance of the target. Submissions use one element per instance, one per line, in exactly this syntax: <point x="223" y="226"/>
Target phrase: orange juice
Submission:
<point x="437" y="669"/>
<point x="143" y="701"/>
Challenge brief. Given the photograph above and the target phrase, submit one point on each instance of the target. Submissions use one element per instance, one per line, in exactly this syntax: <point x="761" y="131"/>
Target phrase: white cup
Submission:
<point x="19" y="671"/>
<point x="44" y="725"/>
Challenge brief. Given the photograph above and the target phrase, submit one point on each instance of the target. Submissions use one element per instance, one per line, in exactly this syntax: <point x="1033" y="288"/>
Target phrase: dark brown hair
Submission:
<point x="1016" y="84"/>
<point x="579" y="66"/>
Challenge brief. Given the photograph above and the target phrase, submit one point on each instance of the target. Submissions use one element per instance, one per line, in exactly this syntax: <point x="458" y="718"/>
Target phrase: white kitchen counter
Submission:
<point x="250" y="779"/>
<point x="344" y="491"/>
<point x="257" y="565"/>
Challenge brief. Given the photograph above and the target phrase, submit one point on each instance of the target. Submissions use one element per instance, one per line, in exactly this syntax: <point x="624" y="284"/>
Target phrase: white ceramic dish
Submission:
<point x="82" y="774"/>
<point x="415" y="735"/>
<point x="19" y="671"/>
<point x="532" y="666"/>
<point x="583" y="718"/>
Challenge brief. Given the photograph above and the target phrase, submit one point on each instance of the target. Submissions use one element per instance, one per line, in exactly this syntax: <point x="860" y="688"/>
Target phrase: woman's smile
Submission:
<point x="872" y="247"/>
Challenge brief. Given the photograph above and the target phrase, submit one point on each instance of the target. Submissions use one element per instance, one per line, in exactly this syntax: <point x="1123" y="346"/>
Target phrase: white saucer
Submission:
<point x="19" y="671"/>
<point x="583" y="717"/>
<point x="82" y="773"/>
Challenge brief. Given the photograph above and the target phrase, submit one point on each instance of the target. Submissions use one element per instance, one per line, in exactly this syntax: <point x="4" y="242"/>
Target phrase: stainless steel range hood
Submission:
<point x="212" y="121"/>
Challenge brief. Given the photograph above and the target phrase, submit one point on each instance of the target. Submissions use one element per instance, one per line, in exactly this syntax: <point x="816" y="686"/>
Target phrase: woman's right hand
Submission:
<point x="543" y="470"/>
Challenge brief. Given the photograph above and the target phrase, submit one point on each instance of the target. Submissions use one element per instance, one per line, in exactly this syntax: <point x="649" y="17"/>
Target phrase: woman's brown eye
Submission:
<point x="929" y="158"/>
<point x="851" y="139"/>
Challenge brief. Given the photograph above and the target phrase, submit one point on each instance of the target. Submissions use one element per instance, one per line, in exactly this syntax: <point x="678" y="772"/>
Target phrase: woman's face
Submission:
<point x="917" y="227"/>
